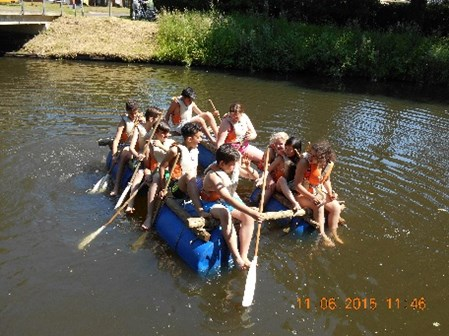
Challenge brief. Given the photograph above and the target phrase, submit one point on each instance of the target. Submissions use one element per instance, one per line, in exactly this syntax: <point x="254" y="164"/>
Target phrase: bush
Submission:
<point x="257" y="43"/>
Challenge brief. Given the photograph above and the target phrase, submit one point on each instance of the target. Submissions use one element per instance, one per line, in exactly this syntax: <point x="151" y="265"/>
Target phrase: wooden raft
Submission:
<point x="199" y="225"/>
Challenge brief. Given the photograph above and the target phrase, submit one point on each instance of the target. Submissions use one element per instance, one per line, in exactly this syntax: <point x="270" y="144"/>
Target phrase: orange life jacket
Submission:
<point x="277" y="173"/>
<point x="316" y="176"/>
<point x="176" y="116"/>
<point x="231" y="137"/>
<point x="152" y="163"/>
<point x="209" y="196"/>
<point x="177" y="170"/>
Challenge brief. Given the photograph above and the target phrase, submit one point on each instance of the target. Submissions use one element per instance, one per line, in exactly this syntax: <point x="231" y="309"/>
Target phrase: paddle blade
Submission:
<point x="122" y="197"/>
<point x="88" y="239"/>
<point x="98" y="185"/>
<point x="250" y="285"/>
<point x="104" y="185"/>
<point x="140" y="241"/>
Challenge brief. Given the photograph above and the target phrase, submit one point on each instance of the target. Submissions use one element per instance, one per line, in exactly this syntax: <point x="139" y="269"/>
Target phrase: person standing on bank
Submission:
<point x="181" y="111"/>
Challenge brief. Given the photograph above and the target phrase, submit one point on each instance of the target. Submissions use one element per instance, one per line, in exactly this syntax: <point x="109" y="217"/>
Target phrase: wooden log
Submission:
<point x="283" y="214"/>
<point x="196" y="224"/>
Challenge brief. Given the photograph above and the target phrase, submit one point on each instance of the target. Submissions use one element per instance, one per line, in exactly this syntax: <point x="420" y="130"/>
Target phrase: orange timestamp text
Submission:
<point x="362" y="303"/>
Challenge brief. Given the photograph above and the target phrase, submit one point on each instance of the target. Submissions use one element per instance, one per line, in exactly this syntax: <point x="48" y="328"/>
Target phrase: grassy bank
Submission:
<point x="108" y="38"/>
<point x="251" y="44"/>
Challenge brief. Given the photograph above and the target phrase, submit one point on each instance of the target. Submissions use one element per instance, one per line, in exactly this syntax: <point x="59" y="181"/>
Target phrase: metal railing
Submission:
<point x="66" y="7"/>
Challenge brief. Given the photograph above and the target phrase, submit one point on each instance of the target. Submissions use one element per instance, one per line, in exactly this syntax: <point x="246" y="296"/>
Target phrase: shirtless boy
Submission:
<point x="222" y="203"/>
<point x="181" y="111"/>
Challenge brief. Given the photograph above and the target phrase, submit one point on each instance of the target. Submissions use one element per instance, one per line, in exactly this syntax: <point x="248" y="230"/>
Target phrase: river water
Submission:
<point x="390" y="277"/>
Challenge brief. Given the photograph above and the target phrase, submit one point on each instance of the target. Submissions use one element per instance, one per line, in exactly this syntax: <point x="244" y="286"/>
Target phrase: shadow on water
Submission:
<point x="418" y="92"/>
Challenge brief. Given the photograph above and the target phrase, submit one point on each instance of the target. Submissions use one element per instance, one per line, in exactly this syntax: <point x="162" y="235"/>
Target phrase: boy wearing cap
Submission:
<point x="181" y="111"/>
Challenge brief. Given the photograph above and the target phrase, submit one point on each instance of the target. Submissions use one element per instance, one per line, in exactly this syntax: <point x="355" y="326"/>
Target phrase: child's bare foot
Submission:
<point x="328" y="242"/>
<point x="337" y="238"/>
<point x="241" y="264"/>
<point x="146" y="225"/>
<point x="113" y="193"/>
<point x="247" y="262"/>
<point x="129" y="210"/>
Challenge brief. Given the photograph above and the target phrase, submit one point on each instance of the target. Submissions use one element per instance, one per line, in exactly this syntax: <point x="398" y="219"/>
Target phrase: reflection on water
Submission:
<point x="392" y="170"/>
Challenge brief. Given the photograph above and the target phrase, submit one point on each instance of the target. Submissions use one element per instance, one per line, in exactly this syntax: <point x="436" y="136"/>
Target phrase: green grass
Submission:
<point x="261" y="44"/>
<point x="251" y="44"/>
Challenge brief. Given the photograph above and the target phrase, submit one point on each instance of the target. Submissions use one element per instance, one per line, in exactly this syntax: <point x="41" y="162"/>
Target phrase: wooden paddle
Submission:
<point x="213" y="107"/>
<point x="141" y="240"/>
<point x="125" y="192"/>
<point x="250" y="285"/>
<point x="88" y="239"/>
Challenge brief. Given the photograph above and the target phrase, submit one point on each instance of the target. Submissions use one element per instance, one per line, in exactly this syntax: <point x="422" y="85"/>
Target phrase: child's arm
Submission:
<point x="118" y="135"/>
<point x="171" y="154"/>
<point x="171" y="110"/>
<point x="328" y="186"/>
<point x="300" y="171"/>
<point x="251" y="134"/>
<point x="157" y="143"/>
<point x="222" y="132"/>
<point x="196" y="109"/>
<point x="277" y="161"/>
<point x="132" y="146"/>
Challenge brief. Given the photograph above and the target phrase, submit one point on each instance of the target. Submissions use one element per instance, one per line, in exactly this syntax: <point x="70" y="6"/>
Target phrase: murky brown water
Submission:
<point x="392" y="171"/>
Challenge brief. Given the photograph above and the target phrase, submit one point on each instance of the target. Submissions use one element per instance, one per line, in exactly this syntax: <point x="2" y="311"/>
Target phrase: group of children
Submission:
<point x="302" y="177"/>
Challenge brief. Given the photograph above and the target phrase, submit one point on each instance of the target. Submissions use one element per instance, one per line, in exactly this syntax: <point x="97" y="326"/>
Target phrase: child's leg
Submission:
<point x="245" y="233"/>
<point x="229" y="233"/>
<point x="202" y="123"/>
<point x="187" y="184"/>
<point x="137" y="179"/>
<point x="254" y="153"/>
<point x="151" y="195"/>
<point x="125" y="156"/>
<point x="334" y="210"/>
<point x="318" y="216"/>
<point x="210" y="120"/>
<point x="282" y="186"/>
<point x="269" y="189"/>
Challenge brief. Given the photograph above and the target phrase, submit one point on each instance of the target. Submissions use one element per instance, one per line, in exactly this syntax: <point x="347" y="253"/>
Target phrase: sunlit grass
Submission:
<point x="96" y="37"/>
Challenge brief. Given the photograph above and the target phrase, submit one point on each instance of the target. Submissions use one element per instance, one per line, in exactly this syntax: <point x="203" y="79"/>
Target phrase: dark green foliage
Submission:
<point x="258" y="43"/>
<point x="428" y="17"/>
